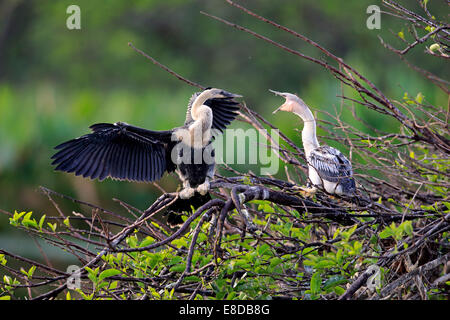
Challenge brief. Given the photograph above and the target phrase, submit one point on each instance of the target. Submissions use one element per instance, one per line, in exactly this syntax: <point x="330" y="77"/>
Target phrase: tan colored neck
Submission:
<point x="303" y="112"/>
<point x="198" y="103"/>
<point x="200" y="129"/>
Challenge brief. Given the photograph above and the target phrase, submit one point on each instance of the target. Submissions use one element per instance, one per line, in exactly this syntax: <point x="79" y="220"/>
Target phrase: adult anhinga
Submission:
<point x="328" y="168"/>
<point x="125" y="152"/>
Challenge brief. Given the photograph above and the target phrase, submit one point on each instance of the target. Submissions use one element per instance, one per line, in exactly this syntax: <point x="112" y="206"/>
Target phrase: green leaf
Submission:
<point x="243" y="263"/>
<point x="334" y="281"/>
<point x="31" y="271"/>
<point x="419" y="99"/>
<point x="264" y="206"/>
<point x="101" y="284"/>
<point x="316" y="281"/>
<point x="27" y="221"/>
<point x="275" y="261"/>
<point x="407" y="227"/>
<point x="17" y="215"/>
<point x="339" y="256"/>
<point x="174" y="260"/>
<point x="435" y="48"/>
<point x="339" y="290"/>
<point x="178" y="268"/>
<point x="263" y="249"/>
<point x="108" y="273"/>
<point x="430" y="28"/>
<point x="447" y="204"/>
<point x="41" y="222"/>
<point x="180" y="242"/>
<point x="113" y="285"/>
<point x="246" y="246"/>
<point x="231" y="295"/>
<point x="357" y="246"/>
<point x="28" y="216"/>
<point x="85" y="296"/>
<point x="347" y="234"/>
<point x="23" y="271"/>
<point x="386" y="233"/>
<point x="193" y="278"/>
<point x="67" y="222"/>
<point x="92" y="273"/>
<point x="324" y="264"/>
<point x="132" y="241"/>
<point x="147" y="241"/>
<point x="52" y="226"/>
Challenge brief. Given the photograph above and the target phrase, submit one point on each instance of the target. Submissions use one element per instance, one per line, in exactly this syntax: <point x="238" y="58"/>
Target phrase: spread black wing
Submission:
<point x="224" y="111"/>
<point x="119" y="151"/>
<point x="330" y="164"/>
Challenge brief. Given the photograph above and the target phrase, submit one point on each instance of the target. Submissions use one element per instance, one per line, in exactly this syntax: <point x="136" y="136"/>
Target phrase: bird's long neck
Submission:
<point x="198" y="104"/>
<point x="200" y="130"/>
<point x="309" y="137"/>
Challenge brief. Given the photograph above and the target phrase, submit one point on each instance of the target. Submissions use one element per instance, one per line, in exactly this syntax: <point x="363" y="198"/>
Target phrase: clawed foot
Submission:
<point x="186" y="193"/>
<point x="305" y="191"/>
<point x="203" y="188"/>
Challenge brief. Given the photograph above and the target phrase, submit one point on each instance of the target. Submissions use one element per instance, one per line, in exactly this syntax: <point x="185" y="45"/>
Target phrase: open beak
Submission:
<point x="278" y="109"/>
<point x="278" y="94"/>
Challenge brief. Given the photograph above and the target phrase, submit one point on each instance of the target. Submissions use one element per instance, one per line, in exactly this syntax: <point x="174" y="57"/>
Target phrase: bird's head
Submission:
<point x="291" y="104"/>
<point x="220" y="93"/>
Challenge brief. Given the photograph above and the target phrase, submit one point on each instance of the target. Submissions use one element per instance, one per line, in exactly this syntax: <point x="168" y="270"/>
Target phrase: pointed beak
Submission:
<point x="278" y="94"/>
<point x="231" y="95"/>
<point x="278" y="109"/>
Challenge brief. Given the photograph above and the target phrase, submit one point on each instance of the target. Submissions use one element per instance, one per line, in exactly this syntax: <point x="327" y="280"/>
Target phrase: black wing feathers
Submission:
<point x="119" y="150"/>
<point x="224" y="111"/>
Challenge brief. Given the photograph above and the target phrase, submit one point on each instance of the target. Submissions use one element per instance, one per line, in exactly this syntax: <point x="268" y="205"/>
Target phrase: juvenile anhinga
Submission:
<point x="125" y="152"/>
<point x="328" y="168"/>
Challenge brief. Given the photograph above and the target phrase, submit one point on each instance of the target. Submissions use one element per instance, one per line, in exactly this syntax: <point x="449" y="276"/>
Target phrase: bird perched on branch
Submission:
<point x="328" y="168"/>
<point x="125" y="152"/>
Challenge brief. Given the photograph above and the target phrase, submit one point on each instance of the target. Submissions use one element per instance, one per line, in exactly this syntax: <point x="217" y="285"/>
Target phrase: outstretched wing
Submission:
<point x="224" y="111"/>
<point x="330" y="164"/>
<point x="119" y="151"/>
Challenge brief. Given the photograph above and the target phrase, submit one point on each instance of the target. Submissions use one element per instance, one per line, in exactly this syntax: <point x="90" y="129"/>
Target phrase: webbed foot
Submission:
<point x="186" y="193"/>
<point x="204" y="187"/>
<point x="307" y="192"/>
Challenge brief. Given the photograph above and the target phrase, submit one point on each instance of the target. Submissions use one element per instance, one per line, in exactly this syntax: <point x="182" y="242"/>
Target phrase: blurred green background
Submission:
<point x="55" y="82"/>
